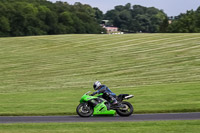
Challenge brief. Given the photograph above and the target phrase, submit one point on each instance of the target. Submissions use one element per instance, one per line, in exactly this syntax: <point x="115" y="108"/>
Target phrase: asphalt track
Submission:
<point x="135" y="117"/>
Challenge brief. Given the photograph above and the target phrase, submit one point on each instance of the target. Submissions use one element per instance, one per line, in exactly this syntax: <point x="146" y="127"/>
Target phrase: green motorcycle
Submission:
<point x="97" y="105"/>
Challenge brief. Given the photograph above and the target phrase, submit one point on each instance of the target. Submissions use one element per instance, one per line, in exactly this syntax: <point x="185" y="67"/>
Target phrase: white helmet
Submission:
<point x="96" y="85"/>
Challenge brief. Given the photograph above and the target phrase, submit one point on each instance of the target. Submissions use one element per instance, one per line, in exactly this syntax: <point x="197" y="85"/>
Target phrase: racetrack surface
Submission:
<point x="134" y="117"/>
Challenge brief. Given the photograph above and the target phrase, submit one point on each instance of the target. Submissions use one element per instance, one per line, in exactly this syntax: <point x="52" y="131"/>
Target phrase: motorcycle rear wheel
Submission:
<point x="84" y="110"/>
<point x="127" y="110"/>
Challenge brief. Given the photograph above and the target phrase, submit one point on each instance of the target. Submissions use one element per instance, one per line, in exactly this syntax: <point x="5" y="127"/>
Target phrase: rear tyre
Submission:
<point x="84" y="110"/>
<point x="126" y="110"/>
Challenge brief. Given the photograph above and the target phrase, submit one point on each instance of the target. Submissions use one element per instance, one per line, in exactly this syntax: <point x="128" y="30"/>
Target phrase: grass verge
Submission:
<point x="100" y="127"/>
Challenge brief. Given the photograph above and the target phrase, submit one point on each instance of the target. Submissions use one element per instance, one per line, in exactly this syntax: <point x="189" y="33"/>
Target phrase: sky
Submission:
<point x="170" y="7"/>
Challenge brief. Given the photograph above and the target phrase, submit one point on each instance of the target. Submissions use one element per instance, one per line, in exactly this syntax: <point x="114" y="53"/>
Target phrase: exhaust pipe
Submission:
<point x="129" y="96"/>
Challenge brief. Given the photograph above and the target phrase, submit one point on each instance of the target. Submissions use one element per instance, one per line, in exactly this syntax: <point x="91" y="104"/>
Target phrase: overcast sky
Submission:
<point x="170" y="7"/>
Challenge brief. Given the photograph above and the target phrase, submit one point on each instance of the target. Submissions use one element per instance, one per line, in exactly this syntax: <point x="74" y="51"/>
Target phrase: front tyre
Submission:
<point x="125" y="110"/>
<point x="84" y="110"/>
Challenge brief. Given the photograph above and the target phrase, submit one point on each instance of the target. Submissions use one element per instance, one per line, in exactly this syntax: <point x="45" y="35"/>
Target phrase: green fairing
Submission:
<point x="101" y="108"/>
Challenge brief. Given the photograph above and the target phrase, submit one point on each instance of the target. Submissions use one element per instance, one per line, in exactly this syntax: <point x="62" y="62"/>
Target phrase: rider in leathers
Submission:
<point x="107" y="93"/>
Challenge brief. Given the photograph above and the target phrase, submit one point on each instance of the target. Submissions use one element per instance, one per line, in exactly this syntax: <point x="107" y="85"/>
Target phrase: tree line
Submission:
<point x="137" y="18"/>
<point x="42" y="17"/>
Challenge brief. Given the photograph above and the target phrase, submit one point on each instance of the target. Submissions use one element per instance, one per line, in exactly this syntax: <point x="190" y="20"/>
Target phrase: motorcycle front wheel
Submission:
<point x="126" y="110"/>
<point x="84" y="110"/>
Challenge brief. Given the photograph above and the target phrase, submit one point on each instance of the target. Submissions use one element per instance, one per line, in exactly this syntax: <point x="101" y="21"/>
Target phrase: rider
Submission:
<point x="106" y="92"/>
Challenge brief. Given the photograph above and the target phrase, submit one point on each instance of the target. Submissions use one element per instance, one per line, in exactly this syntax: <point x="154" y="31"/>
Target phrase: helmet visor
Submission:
<point x="94" y="86"/>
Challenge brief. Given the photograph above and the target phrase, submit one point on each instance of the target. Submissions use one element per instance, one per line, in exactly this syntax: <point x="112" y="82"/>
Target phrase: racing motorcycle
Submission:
<point x="98" y="105"/>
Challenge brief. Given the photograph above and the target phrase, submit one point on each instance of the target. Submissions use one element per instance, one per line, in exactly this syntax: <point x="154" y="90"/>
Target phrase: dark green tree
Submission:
<point x="136" y="19"/>
<point x="186" y="23"/>
<point x="4" y="26"/>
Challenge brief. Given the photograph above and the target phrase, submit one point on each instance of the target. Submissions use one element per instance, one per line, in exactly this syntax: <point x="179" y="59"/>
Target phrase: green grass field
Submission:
<point x="99" y="127"/>
<point x="47" y="75"/>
